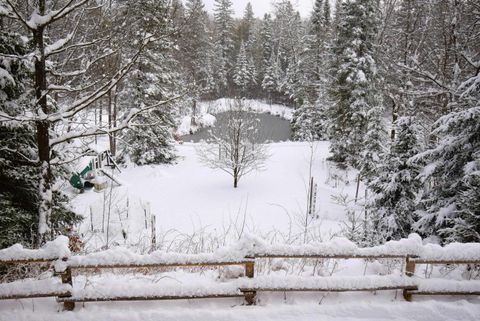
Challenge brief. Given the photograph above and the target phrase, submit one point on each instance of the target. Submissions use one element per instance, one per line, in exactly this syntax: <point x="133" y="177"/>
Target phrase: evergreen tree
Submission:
<point x="244" y="74"/>
<point x="246" y="24"/>
<point x="397" y="186"/>
<point x="271" y="77"/>
<point x="224" y="45"/>
<point x="266" y="39"/>
<point x="307" y="123"/>
<point x="353" y="90"/>
<point x="152" y="79"/>
<point x="449" y="207"/>
<point x="19" y="179"/>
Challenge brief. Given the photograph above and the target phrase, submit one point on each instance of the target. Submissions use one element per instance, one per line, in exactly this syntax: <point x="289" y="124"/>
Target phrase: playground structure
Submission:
<point x="94" y="174"/>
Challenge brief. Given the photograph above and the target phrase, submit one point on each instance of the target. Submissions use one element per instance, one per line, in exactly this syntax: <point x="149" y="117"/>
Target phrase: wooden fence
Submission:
<point x="63" y="291"/>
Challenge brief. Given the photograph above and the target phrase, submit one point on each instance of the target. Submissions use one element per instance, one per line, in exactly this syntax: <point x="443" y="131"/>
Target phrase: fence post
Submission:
<point x="67" y="279"/>
<point x="409" y="271"/>
<point x="250" y="273"/>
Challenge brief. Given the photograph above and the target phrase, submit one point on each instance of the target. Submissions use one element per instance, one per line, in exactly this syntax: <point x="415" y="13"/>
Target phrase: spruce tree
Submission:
<point x="397" y="186"/>
<point x="152" y="79"/>
<point x="224" y="44"/>
<point x="306" y="123"/>
<point x="244" y="71"/>
<point x="353" y="89"/>
<point x="449" y="207"/>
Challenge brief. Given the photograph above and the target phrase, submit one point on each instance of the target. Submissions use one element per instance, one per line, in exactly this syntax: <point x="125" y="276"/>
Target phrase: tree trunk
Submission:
<point x="394" y="119"/>
<point x="43" y="137"/>
<point x="235" y="178"/>
<point x="111" y="120"/>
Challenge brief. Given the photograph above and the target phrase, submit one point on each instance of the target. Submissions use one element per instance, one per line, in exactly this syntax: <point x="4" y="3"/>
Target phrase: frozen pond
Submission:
<point x="272" y="129"/>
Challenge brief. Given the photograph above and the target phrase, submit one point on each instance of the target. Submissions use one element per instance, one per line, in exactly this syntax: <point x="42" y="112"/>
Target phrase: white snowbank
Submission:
<point x="333" y="283"/>
<point x="32" y="288"/>
<point x="52" y="250"/>
<point x="329" y="310"/>
<point x="443" y="285"/>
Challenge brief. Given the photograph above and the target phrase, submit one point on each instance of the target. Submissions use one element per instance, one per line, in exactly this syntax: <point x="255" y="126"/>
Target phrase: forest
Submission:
<point x="393" y="85"/>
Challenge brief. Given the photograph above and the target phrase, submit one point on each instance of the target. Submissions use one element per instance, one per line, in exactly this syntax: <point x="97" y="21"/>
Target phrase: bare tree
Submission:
<point x="235" y="147"/>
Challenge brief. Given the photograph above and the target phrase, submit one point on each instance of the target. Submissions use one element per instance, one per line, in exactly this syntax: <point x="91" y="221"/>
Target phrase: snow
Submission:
<point x="123" y="256"/>
<point x="52" y="250"/>
<point x="6" y="78"/>
<point x="119" y="286"/>
<point x="343" y="247"/>
<point x="451" y="252"/>
<point x="443" y="285"/>
<point x="333" y="283"/>
<point x="31" y="288"/>
<point x="190" y="199"/>
<point x="291" y="308"/>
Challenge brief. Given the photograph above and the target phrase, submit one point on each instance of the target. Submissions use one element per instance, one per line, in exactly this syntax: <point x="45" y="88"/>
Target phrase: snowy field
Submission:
<point x="190" y="199"/>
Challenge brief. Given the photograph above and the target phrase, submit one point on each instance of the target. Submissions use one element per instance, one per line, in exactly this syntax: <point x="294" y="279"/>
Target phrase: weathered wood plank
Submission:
<point x="442" y="261"/>
<point x="415" y="292"/>
<point x="148" y="298"/>
<point x="383" y="288"/>
<point x="327" y="256"/>
<point x="36" y="295"/>
<point x="31" y="261"/>
<point x="155" y="265"/>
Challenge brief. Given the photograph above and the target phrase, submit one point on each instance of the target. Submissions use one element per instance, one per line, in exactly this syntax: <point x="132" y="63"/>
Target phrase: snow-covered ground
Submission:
<point x="354" y="307"/>
<point x="189" y="198"/>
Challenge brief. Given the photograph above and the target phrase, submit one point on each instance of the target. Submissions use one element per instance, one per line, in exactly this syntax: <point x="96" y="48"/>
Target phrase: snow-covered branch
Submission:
<point x="125" y="123"/>
<point x="79" y="105"/>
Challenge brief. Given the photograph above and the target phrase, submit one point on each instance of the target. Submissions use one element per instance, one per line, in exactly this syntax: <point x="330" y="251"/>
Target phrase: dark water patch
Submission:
<point x="272" y="129"/>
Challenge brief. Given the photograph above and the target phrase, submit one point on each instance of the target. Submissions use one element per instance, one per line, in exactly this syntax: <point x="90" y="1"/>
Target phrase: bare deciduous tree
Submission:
<point x="235" y="147"/>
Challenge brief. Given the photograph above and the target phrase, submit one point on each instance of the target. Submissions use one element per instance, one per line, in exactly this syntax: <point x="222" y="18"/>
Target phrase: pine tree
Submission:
<point x="224" y="45"/>
<point x="307" y="122"/>
<point x="246" y="24"/>
<point x="271" y="79"/>
<point x="353" y="90"/>
<point x="244" y="73"/>
<point x="449" y="207"/>
<point x="397" y="186"/>
<point x="152" y="79"/>
<point x="266" y="42"/>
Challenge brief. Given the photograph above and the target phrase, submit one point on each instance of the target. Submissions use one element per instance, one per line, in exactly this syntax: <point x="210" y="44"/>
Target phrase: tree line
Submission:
<point x="394" y="85"/>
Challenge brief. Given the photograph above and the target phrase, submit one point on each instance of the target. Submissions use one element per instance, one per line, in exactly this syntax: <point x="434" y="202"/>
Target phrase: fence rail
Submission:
<point x="248" y="292"/>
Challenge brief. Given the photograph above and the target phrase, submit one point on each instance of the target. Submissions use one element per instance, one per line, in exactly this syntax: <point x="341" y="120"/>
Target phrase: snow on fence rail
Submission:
<point x="124" y="258"/>
<point x="53" y="250"/>
<point x="339" y="248"/>
<point x="34" y="289"/>
<point x="242" y="253"/>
